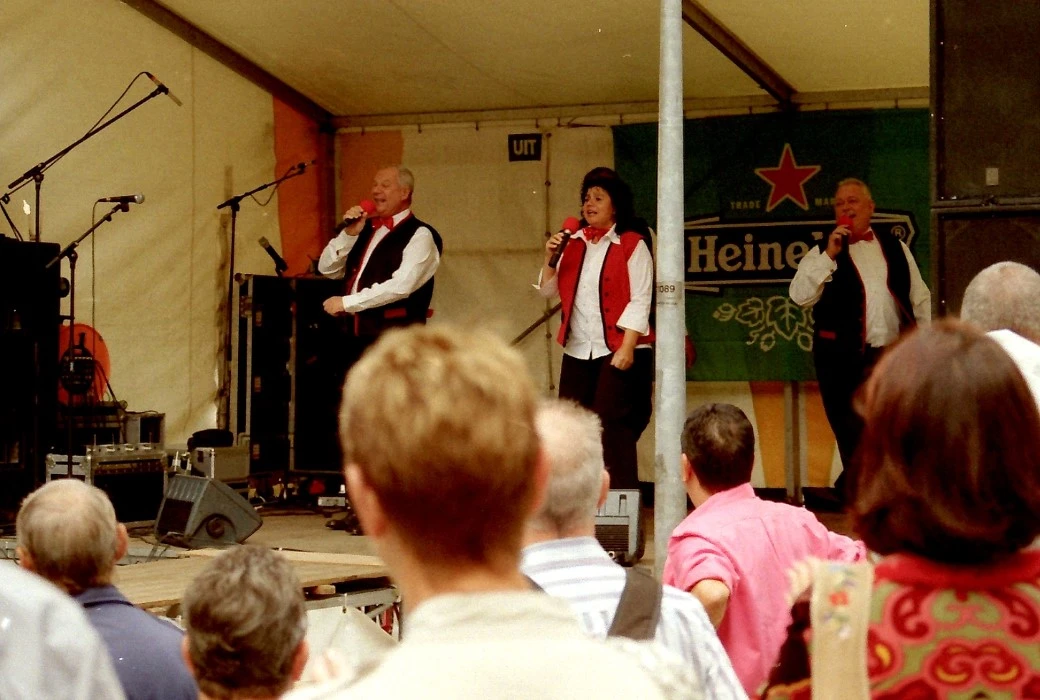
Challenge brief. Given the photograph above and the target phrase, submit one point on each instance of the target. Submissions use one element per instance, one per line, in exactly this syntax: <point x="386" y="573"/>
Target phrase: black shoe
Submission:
<point x="823" y="499"/>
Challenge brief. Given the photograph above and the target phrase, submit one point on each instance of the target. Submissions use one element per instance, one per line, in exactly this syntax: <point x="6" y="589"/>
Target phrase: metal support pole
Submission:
<point x="793" y="442"/>
<point x="669" y="494"/>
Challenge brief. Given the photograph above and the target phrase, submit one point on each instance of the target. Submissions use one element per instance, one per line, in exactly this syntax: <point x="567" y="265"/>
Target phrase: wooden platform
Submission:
<point x="319" y="556"/>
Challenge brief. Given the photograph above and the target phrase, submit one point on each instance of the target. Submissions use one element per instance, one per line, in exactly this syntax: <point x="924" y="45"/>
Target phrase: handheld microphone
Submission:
<point x="280" y="265"/>
<point x="570" y="225"/>
<point x="124" y="199"/>
<point x="367" y="205"/>
<point x="846" y="221"/>
<point x="159" y="84"/>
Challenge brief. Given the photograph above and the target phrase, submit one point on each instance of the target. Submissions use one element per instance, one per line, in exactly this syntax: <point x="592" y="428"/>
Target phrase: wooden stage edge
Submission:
<point x="320" y="557"/>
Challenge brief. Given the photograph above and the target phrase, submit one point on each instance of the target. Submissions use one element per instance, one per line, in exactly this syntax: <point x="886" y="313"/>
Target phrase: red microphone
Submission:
<point x="570" y="225"/>
<point x="846" y="221"/>
<point x="369" y="208"/>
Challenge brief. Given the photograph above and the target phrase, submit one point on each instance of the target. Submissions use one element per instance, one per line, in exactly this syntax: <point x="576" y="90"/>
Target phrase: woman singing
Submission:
<point x="604" y="279"/>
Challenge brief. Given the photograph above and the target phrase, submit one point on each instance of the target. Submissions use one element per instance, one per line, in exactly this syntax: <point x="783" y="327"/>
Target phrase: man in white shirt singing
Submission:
<point x="865" y="289"/>
<point x="388" y="258"/>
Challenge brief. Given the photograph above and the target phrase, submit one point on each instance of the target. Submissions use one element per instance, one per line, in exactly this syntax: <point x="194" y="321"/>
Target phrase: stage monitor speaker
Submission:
<point x="967" y="241"/>
<point x="200" y="512"/>
<point x="618" y="527"/>
<point x="985" y="96"/>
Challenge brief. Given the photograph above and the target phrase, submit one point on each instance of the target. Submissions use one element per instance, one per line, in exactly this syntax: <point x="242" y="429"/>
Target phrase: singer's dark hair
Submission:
<point x="621" y="197"/>
<point x="619" y="191"/>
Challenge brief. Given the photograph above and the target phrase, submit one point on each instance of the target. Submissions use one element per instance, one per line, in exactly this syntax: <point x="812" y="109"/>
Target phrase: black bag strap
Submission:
<point x="639" y="608"/>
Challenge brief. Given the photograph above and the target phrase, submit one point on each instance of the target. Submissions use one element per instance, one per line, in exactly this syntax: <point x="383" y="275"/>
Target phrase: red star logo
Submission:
<point x="788" y="180"/>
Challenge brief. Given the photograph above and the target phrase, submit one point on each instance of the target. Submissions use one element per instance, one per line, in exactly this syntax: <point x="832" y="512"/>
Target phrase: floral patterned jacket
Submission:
<point x="938" y="632"/>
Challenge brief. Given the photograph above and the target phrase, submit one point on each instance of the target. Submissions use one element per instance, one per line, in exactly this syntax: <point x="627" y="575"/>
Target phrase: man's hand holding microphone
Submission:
<point x="839" y="237"/>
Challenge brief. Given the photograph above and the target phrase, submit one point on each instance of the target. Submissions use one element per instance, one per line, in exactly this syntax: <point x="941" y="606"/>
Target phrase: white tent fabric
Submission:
<point x="157" y="281"/>
<point x="156" y="285"/>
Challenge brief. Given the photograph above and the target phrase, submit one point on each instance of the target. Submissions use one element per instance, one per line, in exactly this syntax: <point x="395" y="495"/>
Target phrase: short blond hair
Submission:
<point x="70" y="530"/>
<point x="440" y="421"/>
<point x="572" y="440"/>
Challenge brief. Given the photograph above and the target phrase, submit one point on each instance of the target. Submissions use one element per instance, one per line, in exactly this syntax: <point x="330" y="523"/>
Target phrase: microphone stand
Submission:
<point x="234" y="203"/>
<point x="35" y="173"/>
<point x="70" y="252"/>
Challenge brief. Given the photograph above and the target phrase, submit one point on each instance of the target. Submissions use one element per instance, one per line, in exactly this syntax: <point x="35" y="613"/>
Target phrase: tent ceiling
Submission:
<point x="386" y="57"/>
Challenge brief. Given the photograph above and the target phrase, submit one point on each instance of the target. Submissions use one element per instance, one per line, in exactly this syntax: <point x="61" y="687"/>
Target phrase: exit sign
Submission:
<point x="525" y="147"/>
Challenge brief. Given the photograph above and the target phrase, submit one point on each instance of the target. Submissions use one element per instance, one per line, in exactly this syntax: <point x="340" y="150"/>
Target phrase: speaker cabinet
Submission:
<point x="28" y="362"/>
<point x="200" y="512"/>
<point x="986" y="100"/>
<point x="288" y="372"/>
<point x="969" y="240"/>
<point x="618" y="527"/>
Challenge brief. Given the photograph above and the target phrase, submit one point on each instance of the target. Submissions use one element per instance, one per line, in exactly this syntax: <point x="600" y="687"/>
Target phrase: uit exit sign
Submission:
<point x="525" y="147"/>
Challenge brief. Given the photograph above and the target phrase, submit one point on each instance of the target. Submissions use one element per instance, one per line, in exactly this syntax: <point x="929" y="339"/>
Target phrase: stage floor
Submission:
<point x="328" y="562"/>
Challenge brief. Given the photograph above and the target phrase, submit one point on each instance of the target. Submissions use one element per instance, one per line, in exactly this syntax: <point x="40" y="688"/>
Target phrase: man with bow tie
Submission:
<point x="387" y="257"/>
<point x="604" y="277"/>
<point x="865" y="290"/>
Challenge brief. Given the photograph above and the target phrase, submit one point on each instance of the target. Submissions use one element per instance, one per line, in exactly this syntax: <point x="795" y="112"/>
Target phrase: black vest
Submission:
<point x="840" y="315"/>
<point x="383" y="263"/>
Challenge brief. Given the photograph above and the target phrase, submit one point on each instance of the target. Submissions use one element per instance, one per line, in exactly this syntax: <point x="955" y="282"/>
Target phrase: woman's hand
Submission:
<point x="552" y="244"/>
<point x="623" y="358"/>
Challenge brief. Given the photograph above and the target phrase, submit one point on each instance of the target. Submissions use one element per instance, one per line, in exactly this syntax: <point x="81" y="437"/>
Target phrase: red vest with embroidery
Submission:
<point x="614" y="290"/>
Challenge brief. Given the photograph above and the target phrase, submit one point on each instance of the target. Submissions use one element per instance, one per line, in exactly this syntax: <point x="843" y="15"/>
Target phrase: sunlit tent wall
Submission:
<point x="153" y="282"/>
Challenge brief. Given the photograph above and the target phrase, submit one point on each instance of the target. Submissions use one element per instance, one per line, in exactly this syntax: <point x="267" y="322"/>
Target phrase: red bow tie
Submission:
<point x="593" y="234"/>
<point x="867" y="235"/>
<point x="381" y="221"/>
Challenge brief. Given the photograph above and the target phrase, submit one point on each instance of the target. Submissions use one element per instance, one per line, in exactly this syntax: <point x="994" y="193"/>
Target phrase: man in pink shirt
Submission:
<point x="733" y="551"/>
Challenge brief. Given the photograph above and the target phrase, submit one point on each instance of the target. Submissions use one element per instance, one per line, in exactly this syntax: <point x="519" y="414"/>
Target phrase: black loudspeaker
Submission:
<point x="618" y="526"/>
<point x="29" y="307"/>
<point x="289" y="373"/>
<point x="967" y="241"/>
<point x="986" y="100"/>
<point x="200" y="512"/>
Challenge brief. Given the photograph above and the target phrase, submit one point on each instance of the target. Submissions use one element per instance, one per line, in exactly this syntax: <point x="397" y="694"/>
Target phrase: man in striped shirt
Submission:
<point x="563" y="557"/>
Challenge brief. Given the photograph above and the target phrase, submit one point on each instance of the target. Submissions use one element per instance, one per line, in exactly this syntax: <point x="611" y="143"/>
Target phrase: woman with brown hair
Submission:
<point x="948" y="491"/>
<point x="604" y="274"/>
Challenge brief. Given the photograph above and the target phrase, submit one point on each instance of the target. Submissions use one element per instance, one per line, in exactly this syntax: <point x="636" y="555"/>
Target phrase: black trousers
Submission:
<point x="841" y="373"/>
<point x="623" y="400"/>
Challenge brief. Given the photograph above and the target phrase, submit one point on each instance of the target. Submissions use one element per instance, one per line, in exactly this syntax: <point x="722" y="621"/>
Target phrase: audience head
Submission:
<point x="578" y="482"/>
<point x="68" y="533"/>
<point x="718" y="445"/>
<point x="245" y="621"/>
<point x="948" y="462"/>
<point x="1004" y="296"/>
<point x="437" y="426"/>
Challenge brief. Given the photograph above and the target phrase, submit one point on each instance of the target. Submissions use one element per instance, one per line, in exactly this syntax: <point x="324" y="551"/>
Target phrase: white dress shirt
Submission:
<point x="418" y="264"/>
<point x="882" y="322"/>
<point x="1025" y="354"/>
<point x="585" y="338"/>
<point x="579" y="571"/>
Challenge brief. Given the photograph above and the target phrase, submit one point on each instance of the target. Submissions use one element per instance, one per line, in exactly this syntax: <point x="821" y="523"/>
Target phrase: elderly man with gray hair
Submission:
<point x="563" y="557"/>
<point x="1004" y="301"/>
<point x="247" y="625"/>
<point x="68" y="533"/>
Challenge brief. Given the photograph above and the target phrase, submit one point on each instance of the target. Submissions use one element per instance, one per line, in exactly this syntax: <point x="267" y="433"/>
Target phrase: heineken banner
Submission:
<point x="758" y="194"/>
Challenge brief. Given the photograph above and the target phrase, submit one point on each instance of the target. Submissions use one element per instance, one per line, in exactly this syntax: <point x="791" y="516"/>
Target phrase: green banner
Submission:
<point x="758" y="193"/>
